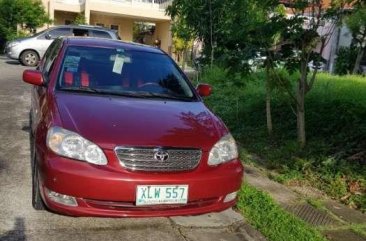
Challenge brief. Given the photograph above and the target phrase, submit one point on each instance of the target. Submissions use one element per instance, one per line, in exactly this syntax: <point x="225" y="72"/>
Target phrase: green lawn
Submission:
<point x="335" y="157"/>
<point x="271" y="220"/>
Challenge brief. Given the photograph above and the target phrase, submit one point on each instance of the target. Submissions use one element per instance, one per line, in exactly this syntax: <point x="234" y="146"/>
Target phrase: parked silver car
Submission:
<point x="31" y="49"/>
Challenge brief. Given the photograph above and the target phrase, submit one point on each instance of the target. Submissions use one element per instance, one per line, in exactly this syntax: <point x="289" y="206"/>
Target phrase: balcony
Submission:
<point x="70" y="5"/>
<point x="71" y="2"/>
<point x="139" y="9"/>
<point x="149" y="4"/>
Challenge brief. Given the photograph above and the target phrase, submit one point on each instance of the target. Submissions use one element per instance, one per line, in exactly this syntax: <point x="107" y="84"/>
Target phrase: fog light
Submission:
<point x="61" y="198"/>
<point x="230" y="197"/>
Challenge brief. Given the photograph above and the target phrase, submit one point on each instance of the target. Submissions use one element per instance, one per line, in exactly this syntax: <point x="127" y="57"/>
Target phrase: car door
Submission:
<point x="45" y="40"/>
<point x="39" y="100"/>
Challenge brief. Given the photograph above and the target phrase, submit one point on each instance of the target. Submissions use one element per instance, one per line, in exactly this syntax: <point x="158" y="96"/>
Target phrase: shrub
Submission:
<point x="345" y="60"/>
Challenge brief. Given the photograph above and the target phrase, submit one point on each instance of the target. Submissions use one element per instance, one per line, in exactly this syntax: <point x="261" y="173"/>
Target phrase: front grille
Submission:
<point x="131" y="206"/>
<point x="144" y="159"/>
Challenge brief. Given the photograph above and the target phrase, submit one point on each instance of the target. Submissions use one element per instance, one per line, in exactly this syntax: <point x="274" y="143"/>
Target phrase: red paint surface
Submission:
<point x="111" y="121"/>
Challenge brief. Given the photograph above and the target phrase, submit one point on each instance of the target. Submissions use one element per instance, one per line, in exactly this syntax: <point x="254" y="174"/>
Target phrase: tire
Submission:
<point x="29" y="58"/>
<point x="37" y="201"/>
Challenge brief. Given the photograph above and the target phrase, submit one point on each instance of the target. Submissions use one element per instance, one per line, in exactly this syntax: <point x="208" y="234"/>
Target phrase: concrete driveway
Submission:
<point x="19" y="221"/>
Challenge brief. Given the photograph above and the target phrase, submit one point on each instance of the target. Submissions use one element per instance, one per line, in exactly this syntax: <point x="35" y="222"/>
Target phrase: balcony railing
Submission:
<point x="157" y="4"/>
<point x="71" y="2"/>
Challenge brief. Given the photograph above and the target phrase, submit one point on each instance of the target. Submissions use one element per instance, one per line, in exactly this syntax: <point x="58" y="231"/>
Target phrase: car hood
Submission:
<point x="21" y="39"/>
<point x="121" y="121"/>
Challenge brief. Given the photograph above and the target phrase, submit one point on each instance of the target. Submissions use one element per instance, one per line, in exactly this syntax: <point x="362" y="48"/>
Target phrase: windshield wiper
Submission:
<point x="133" y="94"/>
<point x="82" y="89"/>
<point x="165" y="96"/>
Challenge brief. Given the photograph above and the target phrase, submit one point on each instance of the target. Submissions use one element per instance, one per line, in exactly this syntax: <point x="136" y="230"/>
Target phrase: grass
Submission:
<point x="334" y="159"/>
<point x="271" y="220"/>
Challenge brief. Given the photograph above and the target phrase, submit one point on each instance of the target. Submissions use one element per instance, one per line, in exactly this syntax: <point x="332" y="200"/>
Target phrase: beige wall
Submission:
<point x="60" y="17"/>
<point x="162" y="32"/>
<point x="125" y="25"/>
<point x="137" y="11"/>
<point x="109" y="13"/>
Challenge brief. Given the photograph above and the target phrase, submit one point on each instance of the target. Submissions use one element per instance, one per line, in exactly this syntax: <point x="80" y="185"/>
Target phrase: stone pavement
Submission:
<point x="336" y="221"/>
<point x="224" y="226"/>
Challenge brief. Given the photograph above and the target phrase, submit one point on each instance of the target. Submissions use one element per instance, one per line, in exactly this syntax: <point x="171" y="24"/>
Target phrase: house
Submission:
<point x="119" y="15"/>
<point x="338" y="35"/>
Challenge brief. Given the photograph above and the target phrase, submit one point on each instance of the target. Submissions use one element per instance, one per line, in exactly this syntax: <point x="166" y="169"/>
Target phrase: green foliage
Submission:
<point x="215" y="75"/>
<point x="346" y="58"/>
<point x="356" y="22"/>
<point x="79" y="19"/>
<point x="227" y="27"/>
<point x="337" y="187"/>
<point x="27" y="14"/>
<point x="271" y="220"/>
<point x="336" y="110"/>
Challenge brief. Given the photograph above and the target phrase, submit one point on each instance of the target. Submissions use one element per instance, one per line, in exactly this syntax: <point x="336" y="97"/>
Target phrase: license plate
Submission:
<point x="161" y="194"/>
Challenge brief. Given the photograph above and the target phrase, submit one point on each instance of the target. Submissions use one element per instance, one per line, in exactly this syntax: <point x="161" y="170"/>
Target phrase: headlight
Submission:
<point x="13" y="44"/>
<point x="69" y="144"/>
<point x="223" y="151"/>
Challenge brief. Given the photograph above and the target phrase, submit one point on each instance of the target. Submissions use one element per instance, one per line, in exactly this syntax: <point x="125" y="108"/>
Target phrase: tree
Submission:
<point x="307" y="33"/>
<point x="224" y="27"/>
<point x="183" y="37"/>
<point x="270" y="42"/>
<point x="79" y="19"/>
<point x="356" y="22"/>
<point x="234" y="31"/>
<point x="26" y="15"/>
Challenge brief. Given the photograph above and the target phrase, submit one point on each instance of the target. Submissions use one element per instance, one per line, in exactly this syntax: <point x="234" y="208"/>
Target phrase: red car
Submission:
<point x="118" y="130"/>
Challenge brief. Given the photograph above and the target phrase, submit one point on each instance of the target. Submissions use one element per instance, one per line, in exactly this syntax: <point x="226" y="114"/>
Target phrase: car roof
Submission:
<point x="109" y="43"/>
<point x="82" y="27"/>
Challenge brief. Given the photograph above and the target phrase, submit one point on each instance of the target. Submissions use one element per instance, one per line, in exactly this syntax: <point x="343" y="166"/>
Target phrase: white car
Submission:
<point x="30" y="50"/>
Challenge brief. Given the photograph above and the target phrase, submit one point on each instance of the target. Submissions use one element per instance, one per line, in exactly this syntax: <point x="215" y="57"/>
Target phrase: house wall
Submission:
<point x="125" y="26"/>
<point x="109" y="12"/>
<point x="163" y="33"/>
<point x="60" y="17"/>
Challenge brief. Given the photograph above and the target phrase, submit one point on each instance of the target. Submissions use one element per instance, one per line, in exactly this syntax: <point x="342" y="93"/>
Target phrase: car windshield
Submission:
<point x="40" y="33"/>
<point x="124" y="72"/>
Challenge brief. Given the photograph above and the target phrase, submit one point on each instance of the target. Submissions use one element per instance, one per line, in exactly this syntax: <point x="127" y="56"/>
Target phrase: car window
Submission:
<point x="100" y="34"/>
<point x="59" y="32"/>
<point x="80" y="32"/>
<point x="50" y="57"/>
<point x="121" y="71"/>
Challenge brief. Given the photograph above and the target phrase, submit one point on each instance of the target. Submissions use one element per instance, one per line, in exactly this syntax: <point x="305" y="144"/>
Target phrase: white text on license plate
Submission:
<point x="161" y="194"/>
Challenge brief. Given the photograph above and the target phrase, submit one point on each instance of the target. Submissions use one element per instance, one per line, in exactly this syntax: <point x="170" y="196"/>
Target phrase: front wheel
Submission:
<point x="37" y="201"/>
<point x="29" y="58"/>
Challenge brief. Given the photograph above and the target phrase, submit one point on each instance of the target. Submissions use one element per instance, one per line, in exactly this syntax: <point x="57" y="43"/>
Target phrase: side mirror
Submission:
<point x="33" y="77"/>
<point x="48" y="36"/>
<point x="204" y="90"/>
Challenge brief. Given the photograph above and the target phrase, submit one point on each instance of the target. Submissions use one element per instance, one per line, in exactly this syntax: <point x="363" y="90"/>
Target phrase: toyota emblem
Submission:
<point x="161" y="155"/>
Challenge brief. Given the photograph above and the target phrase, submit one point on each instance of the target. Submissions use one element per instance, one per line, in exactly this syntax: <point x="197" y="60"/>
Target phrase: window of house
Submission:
<point x="114" y="27"/>
<point x="68" y="22"/>
<point x="100" y="24"/>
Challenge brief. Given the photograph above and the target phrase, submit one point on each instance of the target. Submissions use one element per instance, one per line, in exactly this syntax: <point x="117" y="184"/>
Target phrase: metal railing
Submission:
<point x="71" y="2"/>
<point x="158" y="4"/>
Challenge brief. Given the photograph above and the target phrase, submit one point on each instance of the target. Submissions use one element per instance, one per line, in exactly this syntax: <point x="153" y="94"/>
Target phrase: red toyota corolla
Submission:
<point x="118" y="130"/>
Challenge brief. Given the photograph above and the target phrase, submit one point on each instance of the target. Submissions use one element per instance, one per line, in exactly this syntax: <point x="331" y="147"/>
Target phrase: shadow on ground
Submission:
<point x="18" y="232"/>
<point x="2" y="165"/>
<point x="12" y="62"/>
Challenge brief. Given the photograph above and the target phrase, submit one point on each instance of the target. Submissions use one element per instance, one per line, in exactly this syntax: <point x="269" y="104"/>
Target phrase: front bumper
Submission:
<point x="11" y="53"/>
<point x="110" y="191"/>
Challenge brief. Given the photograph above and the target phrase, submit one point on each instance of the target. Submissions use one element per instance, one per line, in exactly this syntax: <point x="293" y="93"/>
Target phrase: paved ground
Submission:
<point x="18" y="220"/>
